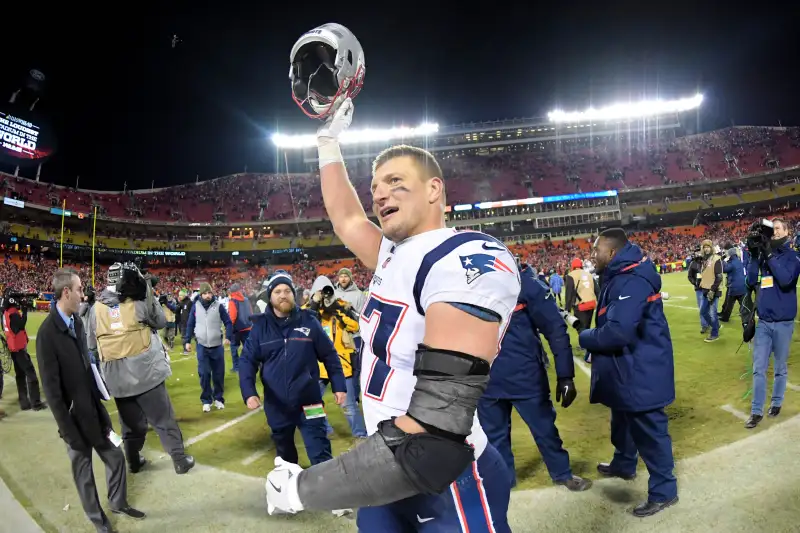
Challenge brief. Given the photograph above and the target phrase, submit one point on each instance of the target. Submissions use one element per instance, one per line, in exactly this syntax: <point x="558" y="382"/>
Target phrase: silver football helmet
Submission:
<point x="326" y="67"/>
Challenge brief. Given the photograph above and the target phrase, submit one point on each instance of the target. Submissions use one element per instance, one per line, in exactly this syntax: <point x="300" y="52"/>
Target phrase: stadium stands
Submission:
<point x="546" y="168"/>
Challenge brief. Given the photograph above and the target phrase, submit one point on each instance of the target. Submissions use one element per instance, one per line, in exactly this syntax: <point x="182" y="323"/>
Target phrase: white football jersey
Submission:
<point x="443" y="265"/>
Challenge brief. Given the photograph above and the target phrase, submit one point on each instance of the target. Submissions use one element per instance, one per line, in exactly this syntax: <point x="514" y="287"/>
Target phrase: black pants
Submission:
<point x="727" y="306"/>
<point x="83" y="475"/>
<point x="152" y="407"/>
<point x="585" y="317"/>
<point x="27" y="382"/>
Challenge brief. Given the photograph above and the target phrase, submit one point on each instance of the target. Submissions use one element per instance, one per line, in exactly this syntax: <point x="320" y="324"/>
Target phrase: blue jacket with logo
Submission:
<point x="286" y="351"/>
<point x="777" y="298"/>
<point x="631" y="347"/>
<point x="735" y="272"/>
<point x="519" y="370"/>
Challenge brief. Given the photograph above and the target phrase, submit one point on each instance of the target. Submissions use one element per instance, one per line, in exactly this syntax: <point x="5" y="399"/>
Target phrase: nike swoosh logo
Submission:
<point x="487" y="246"/>
<point x="274" y="487"/>
<point x="624" y="297"/>
<point x="423" y="520"/>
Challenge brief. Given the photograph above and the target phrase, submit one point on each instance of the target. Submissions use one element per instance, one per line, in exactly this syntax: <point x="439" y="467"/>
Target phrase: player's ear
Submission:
<point x="436" y="190"/>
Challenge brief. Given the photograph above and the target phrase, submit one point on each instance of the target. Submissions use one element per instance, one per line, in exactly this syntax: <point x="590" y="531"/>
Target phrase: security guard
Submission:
<point x="123" y="328"/>
<point x="710" y="281"/>
<point x="519" y="378"/>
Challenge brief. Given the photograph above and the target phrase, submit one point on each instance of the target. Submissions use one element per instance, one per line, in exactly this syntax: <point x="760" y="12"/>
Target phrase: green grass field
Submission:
<point x="707" y="377"/>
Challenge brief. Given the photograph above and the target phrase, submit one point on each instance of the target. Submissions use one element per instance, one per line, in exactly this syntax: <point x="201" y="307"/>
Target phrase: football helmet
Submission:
<point x="326" y="67"/>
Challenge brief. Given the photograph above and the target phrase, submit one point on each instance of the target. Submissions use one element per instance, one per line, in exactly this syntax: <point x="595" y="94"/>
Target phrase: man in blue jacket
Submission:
<point x="286" y="343"/>
<point x="632" y="367"/>
<point x="776" y="305"/>
<point x="519" y="378"/>
<point x="735" y="290"/>
<point x="556" y="284"/>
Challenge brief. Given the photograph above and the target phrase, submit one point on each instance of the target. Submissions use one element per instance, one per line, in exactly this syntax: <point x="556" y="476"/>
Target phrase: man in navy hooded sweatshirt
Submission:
<point x="632" y="367"/>
<point x="286" y="343"/>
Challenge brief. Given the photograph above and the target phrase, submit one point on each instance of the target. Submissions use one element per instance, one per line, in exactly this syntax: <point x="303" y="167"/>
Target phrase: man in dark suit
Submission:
<point x="75" y="400"/>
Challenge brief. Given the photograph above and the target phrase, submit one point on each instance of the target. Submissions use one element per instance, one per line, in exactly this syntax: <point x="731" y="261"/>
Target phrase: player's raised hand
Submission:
<point x="337" y="123"/>
<point x="282" y="495"/>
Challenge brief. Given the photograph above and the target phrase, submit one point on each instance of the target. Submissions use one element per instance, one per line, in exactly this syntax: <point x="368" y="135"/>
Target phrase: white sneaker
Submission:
<point x="206" y="407"/>
<point x="342" y="512"/>
<point x="218" y="404"/>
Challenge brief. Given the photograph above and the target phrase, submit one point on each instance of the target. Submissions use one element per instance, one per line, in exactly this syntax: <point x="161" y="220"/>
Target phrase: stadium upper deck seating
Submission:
<point x="546" y="169"/>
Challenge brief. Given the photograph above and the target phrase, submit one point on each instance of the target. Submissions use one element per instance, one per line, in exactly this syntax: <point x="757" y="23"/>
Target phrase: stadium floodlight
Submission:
<point x="285" y="141"/>
<point x="645" y="108"/>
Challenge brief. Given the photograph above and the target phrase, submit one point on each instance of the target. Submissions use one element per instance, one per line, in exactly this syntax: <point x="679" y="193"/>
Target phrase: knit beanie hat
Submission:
<point x="347" y="272"/>
<point x="279" y="277"/>
<point x="707" y="242"/>
<point x="236" y="287"/>
<point x="205" y="287"/>
<point x="576" y="263"/>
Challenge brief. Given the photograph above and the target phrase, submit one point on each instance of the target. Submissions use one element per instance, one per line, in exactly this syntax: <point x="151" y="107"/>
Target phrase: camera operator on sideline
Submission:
<point x="693" y="271"/>
<point x="123" y="328"/>
<point x="771" y="255"/>
<point x="340" y="322"/>
<point x="735" y="287"/>
<point x="15" y="317"/>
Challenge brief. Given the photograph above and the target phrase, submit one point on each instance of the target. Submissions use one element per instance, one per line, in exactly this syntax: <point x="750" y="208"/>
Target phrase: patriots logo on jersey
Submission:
<point x="477" y="265"/>
<point x="304" y="331"/>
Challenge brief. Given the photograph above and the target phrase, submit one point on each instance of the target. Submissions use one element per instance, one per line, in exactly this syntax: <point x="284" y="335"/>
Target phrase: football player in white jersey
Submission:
<point x="438" y="306"/>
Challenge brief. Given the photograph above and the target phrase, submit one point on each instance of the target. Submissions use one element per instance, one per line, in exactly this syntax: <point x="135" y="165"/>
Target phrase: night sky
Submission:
<point x="128" y="107"/>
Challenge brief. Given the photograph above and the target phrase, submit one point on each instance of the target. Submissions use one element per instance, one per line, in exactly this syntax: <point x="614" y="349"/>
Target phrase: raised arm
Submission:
<point x="350" y="222"/>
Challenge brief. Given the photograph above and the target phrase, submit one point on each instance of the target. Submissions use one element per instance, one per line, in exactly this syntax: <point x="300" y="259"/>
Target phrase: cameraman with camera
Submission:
<point x="776" y="304"/>
<point x="693" y="271"/>
<point x="15" y="317"/>
<point x="123" y="328"/>
<point x="340" y="321"/>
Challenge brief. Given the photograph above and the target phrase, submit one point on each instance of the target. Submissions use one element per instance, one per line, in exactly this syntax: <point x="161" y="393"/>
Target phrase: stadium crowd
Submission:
<point x="665" y="246"/>
<point x="545" y="168"/>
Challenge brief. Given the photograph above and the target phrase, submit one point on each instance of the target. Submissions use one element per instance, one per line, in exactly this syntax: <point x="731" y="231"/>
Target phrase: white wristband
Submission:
<point x="329" y="152"/>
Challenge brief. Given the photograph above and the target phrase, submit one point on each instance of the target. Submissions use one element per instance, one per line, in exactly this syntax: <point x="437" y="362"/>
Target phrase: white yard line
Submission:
<point x="256" y="456"/>
<point x="735" y="412"/>
<point x="220" y="429"/>
<point x="580" y="364"/>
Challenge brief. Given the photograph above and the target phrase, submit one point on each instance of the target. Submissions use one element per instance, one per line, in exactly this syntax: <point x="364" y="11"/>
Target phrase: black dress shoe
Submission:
<point x="183" y="465"/>
<point x="650" y="508"/>
<point x="605" y="470"/>
<point x="576" y="483"/>
<point x="106" y="529"/>
<point x="137" y="466"/>
<point x="774" y="411"/>
<point x="40" y="406"/>
<point x="753" y="421"/>
<point x="130" y="512"/>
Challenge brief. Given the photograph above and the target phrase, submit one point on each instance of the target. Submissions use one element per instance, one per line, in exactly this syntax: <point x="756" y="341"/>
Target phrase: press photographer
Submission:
<point x="15" y="317"/>
<point x="693" y="271"/>
<point x="340" y="322"/>
<point x="123" y="328"/>
<point x="772" y="257"/>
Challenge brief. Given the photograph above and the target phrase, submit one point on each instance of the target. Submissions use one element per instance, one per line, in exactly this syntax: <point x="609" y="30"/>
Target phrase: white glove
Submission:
<point x="337" y="123"/>
<point x="282" y="497"/>
<point x="328" y="134"/>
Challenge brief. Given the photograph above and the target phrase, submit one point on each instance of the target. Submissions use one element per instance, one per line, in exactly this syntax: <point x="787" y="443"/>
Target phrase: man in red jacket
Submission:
<point x="14" y="322"/>
<point x="239" y="309"/>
